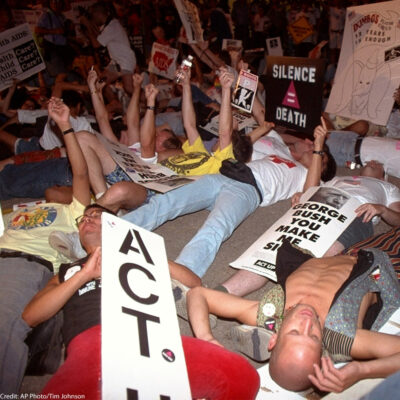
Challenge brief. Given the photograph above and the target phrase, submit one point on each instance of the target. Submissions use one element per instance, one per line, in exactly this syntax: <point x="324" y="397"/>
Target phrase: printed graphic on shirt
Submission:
<point x="279" y="160"/>
<point x="182" y="164"/>
<point x="29" y="219"/>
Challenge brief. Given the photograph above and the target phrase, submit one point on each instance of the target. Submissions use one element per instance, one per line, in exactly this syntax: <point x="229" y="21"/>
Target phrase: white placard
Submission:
<point x="274" y="46"/>
<point x="142" y="354"/>
<point x="245" y="91"/>
<point x="163" y="60"/>
<point x="314" y="224"/>
<point x="151" y="176"/>
<point x="19" y="55"/>
<point x="243" y="120"/>
<point x="231" y="44"/>
<point x="368" y="72"/>
<point x="189" y="15"/>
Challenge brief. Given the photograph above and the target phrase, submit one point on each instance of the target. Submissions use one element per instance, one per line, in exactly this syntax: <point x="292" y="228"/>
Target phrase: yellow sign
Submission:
<point x="300" y="30"/>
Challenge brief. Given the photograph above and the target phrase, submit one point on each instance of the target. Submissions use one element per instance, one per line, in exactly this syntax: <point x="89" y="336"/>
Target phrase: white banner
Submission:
<point x="231" y="44"/>
<point x="274" y="46"/>
<point x="141" y="350"/>
<point x="314" y="224"/>
<point x="163" y="60"/>
<point x="19" y="55"/>
<point x="245" y="91"/>
<point x="151" y="176"/>
<point x="189" y="15"/>
<point x="368" y="72"/>
<point x="243" y="120"/>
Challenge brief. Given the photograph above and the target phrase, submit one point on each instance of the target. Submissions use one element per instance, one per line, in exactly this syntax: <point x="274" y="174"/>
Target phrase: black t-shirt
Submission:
<point x="82" y="310"/>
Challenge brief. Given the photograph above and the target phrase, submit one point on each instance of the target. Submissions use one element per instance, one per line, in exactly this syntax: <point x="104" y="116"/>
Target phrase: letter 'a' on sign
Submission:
<point x="291" y="99"/>
<point x="142" y="354"/>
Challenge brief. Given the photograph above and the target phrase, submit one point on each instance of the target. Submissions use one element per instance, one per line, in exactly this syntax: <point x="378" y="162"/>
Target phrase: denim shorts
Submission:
<point x="24" y="146"/>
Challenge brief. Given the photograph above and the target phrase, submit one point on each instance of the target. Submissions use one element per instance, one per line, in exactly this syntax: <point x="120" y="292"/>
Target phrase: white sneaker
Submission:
<point x="67" y="244"/>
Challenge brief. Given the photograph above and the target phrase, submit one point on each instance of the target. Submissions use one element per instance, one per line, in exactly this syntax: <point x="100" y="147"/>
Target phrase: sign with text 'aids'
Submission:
<point x="245" y="91"/>
<point x="142" y="354"/>
<point x="313" y="224"/>
<point x="163" y="60"/>
<point x="19" y="55"/>
<point x="294" y="92"/>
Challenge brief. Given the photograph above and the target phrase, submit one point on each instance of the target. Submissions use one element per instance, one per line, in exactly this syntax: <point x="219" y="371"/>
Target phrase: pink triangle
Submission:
<point x="290" y="99"/>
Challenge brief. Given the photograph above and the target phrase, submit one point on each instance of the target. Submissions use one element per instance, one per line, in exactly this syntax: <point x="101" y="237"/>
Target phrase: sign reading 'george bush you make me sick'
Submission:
<point x="293" y="89"/>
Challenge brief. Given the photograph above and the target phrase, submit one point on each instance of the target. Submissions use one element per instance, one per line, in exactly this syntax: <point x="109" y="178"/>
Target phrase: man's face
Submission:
<point x="89" y="226"/>
<point x="373" y="169"/>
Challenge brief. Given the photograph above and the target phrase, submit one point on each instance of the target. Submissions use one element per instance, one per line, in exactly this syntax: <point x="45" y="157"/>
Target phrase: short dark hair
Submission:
<point x="71" y="98"/>
<point x="173" y="142"/>
<point x="95" y="205"/>
<point x="242" y="146"/>
<point x="330" y="170"/>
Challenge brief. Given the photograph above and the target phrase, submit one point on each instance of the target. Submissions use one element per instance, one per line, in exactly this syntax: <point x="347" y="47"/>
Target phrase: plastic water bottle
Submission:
<point x="185" y="66"/>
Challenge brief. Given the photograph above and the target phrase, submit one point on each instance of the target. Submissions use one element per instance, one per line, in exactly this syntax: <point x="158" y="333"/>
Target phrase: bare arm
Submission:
<point x="391" y="214"/>
<point x="225" y="114"/>
<point x="53" y="297"/>
<point x="59" y="112"/>
<point x="148" y="128"/>
<point x="6" y="102"/>
<point x="133" y="112"/>
<point x="202" y="301"/>
<point x="261" y="130"/>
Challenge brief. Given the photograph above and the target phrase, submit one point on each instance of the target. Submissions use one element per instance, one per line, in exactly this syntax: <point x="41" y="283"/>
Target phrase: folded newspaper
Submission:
<point x="314" y="224"/>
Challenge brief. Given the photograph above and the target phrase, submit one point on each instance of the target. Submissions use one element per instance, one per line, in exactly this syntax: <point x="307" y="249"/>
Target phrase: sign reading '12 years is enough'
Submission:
<point x="19" y="56"/>
<point x="294" y="92"/>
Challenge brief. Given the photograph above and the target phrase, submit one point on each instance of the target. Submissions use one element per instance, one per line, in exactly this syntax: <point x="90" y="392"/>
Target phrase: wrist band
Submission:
<point x="93" y="91"/>
<point x="319" y="152"/>
<point x="70" y="130"/>
<point x="151" y="108"/>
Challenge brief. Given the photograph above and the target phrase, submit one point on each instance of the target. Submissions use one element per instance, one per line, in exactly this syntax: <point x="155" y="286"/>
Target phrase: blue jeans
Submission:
<point x="20" y="281"/>
<point x="32" y="179"/>
<point x="25" y="146"/>
<point x="229" y="201"/>
<point x="341" y="145"/>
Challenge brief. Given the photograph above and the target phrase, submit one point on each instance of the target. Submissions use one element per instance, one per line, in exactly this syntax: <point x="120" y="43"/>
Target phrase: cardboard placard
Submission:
<point x="189" y="15"/>
<point x="245" y="91"/>
<point x="19" y="55"/>
<point x="163" y="60"/>
<point x="231" y="44"/>
<point x="274" y="46"/>
<point x="142" y="354"/>
<point x="314" y="224"/>
<point x="294" y="92"/>
<point x="300" y="29"/>
<point x="152" y="176"/>
<point x="368" y="71"/>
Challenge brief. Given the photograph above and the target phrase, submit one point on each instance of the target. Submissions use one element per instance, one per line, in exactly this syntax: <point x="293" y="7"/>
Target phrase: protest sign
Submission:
<point x="274" y="46"/>
<point x="231" y="44"/>
<point x="141" y="349"/>
<point x="314" y="224"/>
<point x="151" y="176"/>
<point x="294" y="92"/>
<point x="165" y="91"/>
<point x="19" y="55"/>
<point x="245" y="91"/>
<point x="189" y="15"/>
<point x="368" y="71"/>
<point x="1" y="222"/>
<point x="163" y="60"/>
<point x="300" y="29"/>
<point x="243" y="120"/>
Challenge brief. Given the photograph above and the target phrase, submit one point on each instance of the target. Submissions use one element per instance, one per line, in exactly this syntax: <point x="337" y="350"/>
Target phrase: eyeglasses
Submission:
<point x="85" y="217"/>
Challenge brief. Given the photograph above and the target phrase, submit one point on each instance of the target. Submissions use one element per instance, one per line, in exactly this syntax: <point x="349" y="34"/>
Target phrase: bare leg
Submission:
<point x="99" y="161"/>
<point x="335" y="249"/>
<point x="8" y="139"/>
<point x="183" y="274"/>
<point x="361" y="127"/>
<point x="125" y="195"/>
<point x="59" y="194"/>
<point x="244" y="282"/>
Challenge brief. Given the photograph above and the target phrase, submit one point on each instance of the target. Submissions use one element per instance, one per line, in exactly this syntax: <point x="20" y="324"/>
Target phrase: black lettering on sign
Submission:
<point x="27" y="55"/>
<point x="142" y="319"/>
<point x="132" y="394"/>
<point x="127" y="245"/>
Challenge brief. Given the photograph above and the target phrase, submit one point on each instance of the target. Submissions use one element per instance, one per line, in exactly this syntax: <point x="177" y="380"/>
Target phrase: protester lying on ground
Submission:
<point x="322" y="310"/>
<point x="27" y="261"/>
<point x="76" y="290"/>
<point x="378" y="198"/>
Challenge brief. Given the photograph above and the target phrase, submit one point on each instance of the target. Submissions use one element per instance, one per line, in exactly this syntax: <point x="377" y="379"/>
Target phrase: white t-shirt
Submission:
<point x="385" y="150"/>
<point x="277" y="174"/>
<point x="116" y="40"/>
<point x="367" y="190"/>
<point x="49" y="140"/>
<point x="30" y="116"/>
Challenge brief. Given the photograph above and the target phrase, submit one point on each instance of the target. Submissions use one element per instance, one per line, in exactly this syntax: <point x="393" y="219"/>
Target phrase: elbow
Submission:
<point x="29" y="318"/>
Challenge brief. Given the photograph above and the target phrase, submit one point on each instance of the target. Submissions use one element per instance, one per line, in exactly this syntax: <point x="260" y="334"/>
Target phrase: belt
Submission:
<point x="357" y="152"/>
<point x="29" y="257"/>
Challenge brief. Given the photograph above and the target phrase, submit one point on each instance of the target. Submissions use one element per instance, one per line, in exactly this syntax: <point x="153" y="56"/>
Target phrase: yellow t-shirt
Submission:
<point x="28" y="229"/>
<point x="197" y="160"/>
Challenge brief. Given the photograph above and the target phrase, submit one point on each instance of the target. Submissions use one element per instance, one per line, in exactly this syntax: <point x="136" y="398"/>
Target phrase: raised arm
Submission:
<point x="53" y="297"/>
<point x="133" y="112"/>
<point x="188" y="114"/>
<point x="148" y="128"/>
<point x="315" y="169"/>
<point x="225" y="115"/>
<point x="95" y="88"/>
<point x="59" y="112"/>
<point x="260" y="131"/>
